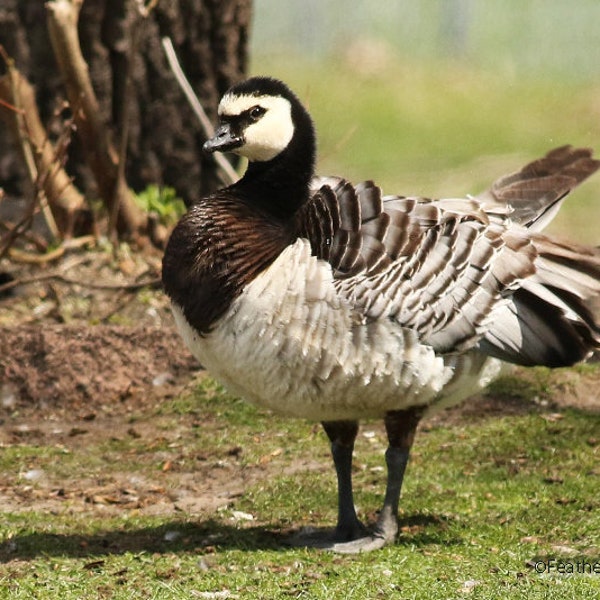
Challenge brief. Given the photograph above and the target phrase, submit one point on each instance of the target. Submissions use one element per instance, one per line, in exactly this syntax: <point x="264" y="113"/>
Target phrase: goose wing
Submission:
<point x="465" y="273"/>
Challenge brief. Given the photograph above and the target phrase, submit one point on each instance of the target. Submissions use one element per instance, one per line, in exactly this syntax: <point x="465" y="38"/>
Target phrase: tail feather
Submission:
<point x="553" y="318"/>
<point x="533" y="195"/>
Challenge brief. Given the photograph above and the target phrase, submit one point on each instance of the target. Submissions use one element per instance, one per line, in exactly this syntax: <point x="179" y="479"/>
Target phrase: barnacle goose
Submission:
<point x="324" y="300"/>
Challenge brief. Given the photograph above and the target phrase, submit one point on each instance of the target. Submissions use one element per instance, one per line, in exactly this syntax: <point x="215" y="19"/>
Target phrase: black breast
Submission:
<point x="216" y="249"/>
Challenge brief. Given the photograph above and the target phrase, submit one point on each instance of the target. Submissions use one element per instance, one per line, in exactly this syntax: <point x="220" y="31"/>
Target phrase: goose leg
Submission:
<point x="342" y="435"/>
<point x="401" y="427"/>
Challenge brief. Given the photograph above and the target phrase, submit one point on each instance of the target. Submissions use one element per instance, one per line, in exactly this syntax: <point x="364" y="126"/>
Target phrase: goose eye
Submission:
<point x="256" y="112"/>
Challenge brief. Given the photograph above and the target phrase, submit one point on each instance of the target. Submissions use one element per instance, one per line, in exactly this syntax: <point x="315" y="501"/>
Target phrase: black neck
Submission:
<point x="280" y="186"/>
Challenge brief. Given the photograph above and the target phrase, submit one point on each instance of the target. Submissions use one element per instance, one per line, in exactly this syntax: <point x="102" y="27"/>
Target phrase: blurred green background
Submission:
<point x="440" y="97"/>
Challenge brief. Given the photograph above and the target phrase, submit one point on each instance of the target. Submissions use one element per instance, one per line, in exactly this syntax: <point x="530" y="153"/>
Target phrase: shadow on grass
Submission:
<point x="182" y="537"/>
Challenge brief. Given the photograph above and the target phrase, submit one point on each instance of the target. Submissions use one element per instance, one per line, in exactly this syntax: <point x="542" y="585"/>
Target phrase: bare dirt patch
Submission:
<point x="82" y="367"/>
<point x="75" y="390"/>
<point x="90" y="329"/>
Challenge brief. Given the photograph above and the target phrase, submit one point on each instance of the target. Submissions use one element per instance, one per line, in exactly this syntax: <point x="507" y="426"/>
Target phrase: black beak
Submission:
<point x="223" y="140"/>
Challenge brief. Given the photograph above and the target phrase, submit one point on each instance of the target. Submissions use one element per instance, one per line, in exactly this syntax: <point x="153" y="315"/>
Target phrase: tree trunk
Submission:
<point x="164" y="138"/>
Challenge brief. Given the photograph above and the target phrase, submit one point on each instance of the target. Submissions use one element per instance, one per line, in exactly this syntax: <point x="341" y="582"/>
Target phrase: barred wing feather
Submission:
<point x="466" y="273"/>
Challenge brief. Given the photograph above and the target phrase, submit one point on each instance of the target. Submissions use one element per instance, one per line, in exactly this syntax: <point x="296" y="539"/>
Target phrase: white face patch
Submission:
<point x="271" y="134"/>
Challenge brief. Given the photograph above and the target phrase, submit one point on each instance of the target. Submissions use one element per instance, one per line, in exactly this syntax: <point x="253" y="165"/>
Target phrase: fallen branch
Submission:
<point x="31" y="258"/>
<point x="59" y="199"/>
<point x="35" y="259"/>
<point x="101" y="155"/>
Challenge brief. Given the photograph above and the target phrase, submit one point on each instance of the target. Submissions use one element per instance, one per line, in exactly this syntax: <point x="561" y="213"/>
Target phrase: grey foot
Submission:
<point x="355" y="542"/>
<point x="363" y="544"/>
<point x="383" y="534"/>
<point x="327" y="538"/>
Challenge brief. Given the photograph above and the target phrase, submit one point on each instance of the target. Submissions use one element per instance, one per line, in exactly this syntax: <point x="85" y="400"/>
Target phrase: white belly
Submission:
<point x="291" y="344"/>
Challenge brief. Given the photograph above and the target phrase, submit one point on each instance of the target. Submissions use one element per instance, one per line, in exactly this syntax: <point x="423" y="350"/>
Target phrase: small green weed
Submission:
<point x="163" y="201"/>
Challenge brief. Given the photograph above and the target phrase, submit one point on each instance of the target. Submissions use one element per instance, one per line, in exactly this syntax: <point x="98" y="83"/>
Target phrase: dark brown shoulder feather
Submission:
<point x="215" y="250"/>
<point x="347" y="226"/>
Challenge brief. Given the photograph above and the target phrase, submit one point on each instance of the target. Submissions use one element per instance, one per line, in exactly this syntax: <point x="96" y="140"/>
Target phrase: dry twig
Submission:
<point x="41" y="245"/>
<point x="229" y="174"/>
<point x="57" y="276"/>
<point x="19" y="228"/>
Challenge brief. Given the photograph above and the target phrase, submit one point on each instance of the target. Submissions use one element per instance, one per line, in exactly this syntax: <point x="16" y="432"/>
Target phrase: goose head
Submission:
<point x="263" y="120"/>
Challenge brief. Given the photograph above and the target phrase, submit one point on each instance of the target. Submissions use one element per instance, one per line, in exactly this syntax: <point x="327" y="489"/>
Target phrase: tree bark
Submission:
<point x="164" y="138"/>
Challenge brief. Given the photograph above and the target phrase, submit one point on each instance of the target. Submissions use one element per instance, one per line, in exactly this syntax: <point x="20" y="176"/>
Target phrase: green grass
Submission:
<point x="485" y="498"/>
